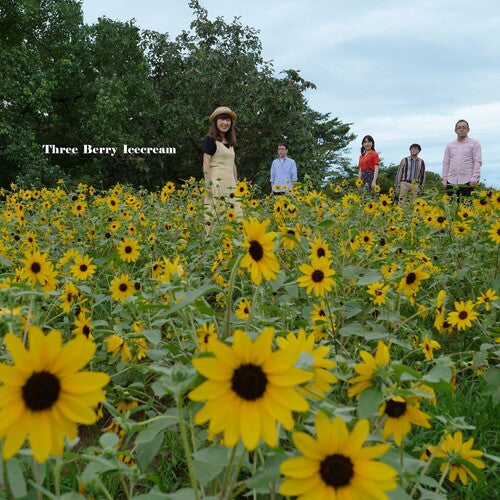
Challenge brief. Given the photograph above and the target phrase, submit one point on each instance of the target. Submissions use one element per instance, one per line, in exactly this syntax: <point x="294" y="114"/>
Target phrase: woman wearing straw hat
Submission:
<point x="219" y="168"/>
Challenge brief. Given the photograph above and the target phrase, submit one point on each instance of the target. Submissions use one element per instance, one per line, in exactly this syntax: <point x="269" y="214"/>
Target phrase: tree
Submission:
<point x="110" y="84"/>
<point x="219" y="63"/>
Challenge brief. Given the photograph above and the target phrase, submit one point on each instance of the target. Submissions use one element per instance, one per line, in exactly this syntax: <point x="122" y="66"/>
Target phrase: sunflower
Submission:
<point x="128" y="249"/>
<point x="350" y="200"/>
<point x="335" y="464"/>
<point x="463" y="315"/>
<point x="317" y="276"/>
<point x="494" y="232"/>
<point x="206" y="336"/>
<point x="259" y="260"/>
<point x="428" y="347"/>
<point x="378" y="292"/>
<point x="481" y="204"/>
<point x="113" y="203"/>
<point x="401" y="413"/>
<point x="315" y="358"/>
<point x="487" y="298"/>
<point x="319" y="315"/>
<point x="366" y="239"/>
<point x="412" y="279"/>
<point x="37" y="268"/>
<point x="385" y="203"/>
<point x="464" y="212"/>
<point x="121" y="287"/>
<point x="460" y="229"/>
<point x="83" y="326"/>
<point x="117" y="345"/>
<point x="231" y="215"/>
<point x="242" y="189"/>
<point x="79" y="208"/>
<point x="289" y="237"/>
<point x="243" y="309"/>
<point x="456" y="455"/>
<point x="68" y="296"/>
<point x="248" y="388"/>
<point x="371" y="369"/>
<point x="319" y="248"/>
<point x="44" y="395"/>
<point x="82" y="268"/>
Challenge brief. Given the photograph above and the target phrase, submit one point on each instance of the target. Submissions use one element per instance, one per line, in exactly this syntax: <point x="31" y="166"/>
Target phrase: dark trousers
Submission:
<point x="461" y="190"/>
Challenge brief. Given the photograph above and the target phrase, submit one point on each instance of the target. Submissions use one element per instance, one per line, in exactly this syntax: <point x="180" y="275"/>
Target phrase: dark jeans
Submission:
<point x="459" y="189"/>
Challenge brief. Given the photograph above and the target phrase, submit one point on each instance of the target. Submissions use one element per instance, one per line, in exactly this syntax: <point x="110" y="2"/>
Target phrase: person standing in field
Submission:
<point x="410" y="176"/>
<point x="219" y="167"/>
<point x="283" y="171"/>
<point x="368" y="163"/>
<point x="462" y="162"/>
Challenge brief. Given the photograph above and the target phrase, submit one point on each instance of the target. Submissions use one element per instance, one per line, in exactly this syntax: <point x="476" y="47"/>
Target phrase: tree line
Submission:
<point x="66" y="83"/>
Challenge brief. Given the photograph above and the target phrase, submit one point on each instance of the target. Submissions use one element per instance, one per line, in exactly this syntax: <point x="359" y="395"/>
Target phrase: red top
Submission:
<point x="368" y="161"/>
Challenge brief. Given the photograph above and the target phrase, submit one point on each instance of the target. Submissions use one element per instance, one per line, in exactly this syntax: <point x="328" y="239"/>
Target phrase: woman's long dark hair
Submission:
<point x="367" y="138"/>
<point x="215" y="133"/>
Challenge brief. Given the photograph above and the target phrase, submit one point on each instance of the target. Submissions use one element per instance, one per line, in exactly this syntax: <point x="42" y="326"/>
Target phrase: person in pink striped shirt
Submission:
<point x="462" y="162"/>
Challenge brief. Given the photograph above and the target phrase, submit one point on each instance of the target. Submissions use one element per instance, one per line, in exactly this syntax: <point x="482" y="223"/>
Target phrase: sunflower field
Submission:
<point x="322" y="345"/>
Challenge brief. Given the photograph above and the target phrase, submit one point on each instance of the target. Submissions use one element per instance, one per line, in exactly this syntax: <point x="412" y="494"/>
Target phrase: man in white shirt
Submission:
<point x="283" y="171"/>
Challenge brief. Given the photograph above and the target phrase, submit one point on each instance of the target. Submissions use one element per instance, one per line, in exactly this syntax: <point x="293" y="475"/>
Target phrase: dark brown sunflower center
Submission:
<point x="41" y="391"/>
<point x="463" y="315"/>
<point x="336" y="470"/>
<point x="317" y="276"/>
<point x="256" y="251"/>
<point x="83" y="268"/>
<point x="395" y="409"/>
<point x="128" y="249"/>
<point x="36" y="267"/>
<point x="441" y="219"/>
<point x="321" y="312"/>
<point x="411" y="278"/>
<point x="123" y="287"/>
<point x="249" y="382"/>
<point x="86" y="330"/>
<point x="246" y="311"/>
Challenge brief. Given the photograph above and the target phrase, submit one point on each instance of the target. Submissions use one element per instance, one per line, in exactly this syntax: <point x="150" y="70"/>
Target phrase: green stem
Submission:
<point x="6" y="483"/>
<point x="57" y="476"/>
<point x="36" y="475"/>
<point x="253" y="305"/>
<point x="235" y="475"/>
<point x="228" y="473"/>
<point x="105" y="490"/>
<point x="28" y="319"/>
<point x="230" y="287"/>
<point x="187" y="450"/>
<point x="443" y="476"/>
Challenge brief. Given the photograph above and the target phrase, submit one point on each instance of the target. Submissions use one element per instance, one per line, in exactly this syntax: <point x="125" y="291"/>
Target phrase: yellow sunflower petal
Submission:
<point x="299" y="467"/>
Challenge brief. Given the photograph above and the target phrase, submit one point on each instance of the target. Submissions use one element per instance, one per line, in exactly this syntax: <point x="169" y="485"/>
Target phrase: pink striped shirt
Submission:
<point x="462" y="161"/>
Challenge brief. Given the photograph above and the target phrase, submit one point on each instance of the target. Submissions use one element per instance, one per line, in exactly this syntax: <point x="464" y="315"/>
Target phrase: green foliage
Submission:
<point x="109" y="84"/>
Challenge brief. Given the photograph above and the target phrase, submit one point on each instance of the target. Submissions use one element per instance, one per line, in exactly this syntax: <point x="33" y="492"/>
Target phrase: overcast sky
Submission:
<point x="401" y="72"/>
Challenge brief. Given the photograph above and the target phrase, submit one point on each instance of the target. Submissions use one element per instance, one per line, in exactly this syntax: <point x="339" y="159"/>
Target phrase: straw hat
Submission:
<point x="223" y="110"/>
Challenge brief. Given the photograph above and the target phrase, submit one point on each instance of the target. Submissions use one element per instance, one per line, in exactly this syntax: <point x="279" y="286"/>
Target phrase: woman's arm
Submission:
<point x="235" y="173"/>
<point x="375" y="176"/>
<point x="206" y="168"/>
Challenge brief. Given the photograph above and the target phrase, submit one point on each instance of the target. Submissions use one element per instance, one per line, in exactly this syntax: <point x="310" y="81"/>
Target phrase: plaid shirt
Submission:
<point x="410" y="169"/>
